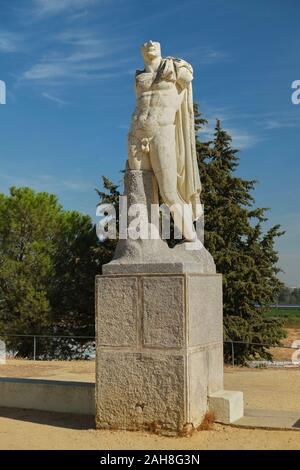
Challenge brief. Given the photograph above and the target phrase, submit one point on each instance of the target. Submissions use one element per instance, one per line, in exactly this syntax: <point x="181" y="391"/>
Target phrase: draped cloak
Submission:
<point x="188" y="179"/>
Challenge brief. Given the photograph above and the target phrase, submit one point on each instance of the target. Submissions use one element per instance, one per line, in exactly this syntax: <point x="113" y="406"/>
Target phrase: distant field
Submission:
<point x="290" y="315"/>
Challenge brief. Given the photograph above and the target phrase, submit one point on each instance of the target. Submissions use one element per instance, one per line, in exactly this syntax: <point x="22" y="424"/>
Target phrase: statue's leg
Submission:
<point x="164" y="165"/>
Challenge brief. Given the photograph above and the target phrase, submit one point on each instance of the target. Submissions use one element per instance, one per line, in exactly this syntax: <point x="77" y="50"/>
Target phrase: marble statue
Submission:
<point x="162" y="136"/>
<point x="162" y="162"/>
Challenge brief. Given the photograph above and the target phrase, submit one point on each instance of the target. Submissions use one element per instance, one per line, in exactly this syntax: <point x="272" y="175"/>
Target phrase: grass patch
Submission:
<point x="291" y="316"/>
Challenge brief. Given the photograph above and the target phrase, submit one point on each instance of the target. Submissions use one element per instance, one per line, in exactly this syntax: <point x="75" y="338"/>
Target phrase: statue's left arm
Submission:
<point x="184" y="73"/>
<point x="176" y="70"/>
<point x="189" y="180"/>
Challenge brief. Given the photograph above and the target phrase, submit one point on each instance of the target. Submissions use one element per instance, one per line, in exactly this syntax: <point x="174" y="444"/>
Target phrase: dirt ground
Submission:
<point x="267" y="389"/>
<point x="280" y="354"/>
<point x="51" y="370"/>
<point x="270" y="389"/>
<point x="20" y="429"/>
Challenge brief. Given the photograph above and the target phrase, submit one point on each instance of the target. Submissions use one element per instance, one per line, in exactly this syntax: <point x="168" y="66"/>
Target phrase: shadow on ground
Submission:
<point x="62" y="420"/>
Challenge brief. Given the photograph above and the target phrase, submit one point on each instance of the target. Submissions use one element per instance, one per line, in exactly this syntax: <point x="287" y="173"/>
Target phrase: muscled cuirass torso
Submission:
<point x="156" y="105"/>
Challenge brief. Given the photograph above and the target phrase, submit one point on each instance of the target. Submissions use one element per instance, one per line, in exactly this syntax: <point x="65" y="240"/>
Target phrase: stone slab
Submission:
<point x="117" y="300"/>
<point x="227" y="405"/>
<point x="205" y="309"/>
<point x="270" y="419"/>
<point x="151" y="268"/>
<point x="163" y="312"/>
<point x="136" y="391"/>
<point x="48" y="395"/>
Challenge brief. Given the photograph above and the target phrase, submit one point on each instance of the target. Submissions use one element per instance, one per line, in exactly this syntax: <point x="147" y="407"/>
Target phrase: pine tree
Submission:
<point x="243" y="253"/>
<point x="48" y="263"/>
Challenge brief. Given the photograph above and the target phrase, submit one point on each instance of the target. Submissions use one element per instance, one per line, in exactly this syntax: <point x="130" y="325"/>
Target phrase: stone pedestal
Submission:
<point x="159" y="331"/>
<point x="159" y="349"/>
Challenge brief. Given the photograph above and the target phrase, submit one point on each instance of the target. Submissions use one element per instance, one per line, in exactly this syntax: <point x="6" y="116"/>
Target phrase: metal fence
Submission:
<point x="35" y="338"/>
<point x="267" y="346"/>
<point x="89" y="343"/>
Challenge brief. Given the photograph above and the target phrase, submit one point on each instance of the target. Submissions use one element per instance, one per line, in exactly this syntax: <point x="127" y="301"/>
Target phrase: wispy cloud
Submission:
<point x="55" y="99"/>
<point x="46" y="8"/>
<point x="273" y="124"/>
<point x="9" y="41"/>
<point x="209" y="56"/>
<point x="259" y="122"/>
<point x="283" y="123"/>
<point x="85" y="56"/>
<point x="47" y="182"/>
<point x="241" y="139"/>
<point x="205" y="55"/>
<point x="79" y="15"/>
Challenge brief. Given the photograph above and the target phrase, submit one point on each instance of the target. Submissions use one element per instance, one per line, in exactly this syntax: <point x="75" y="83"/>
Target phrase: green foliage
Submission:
<point x="48" y="261"/>
<point x="283" y="312"/>
<point x="290" y="316"/>
<point x="243" y="252"/>
<point x="110" y="195"/>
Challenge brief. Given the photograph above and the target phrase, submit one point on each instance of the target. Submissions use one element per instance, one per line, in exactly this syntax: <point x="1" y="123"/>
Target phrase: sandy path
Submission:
<point x="273" y="389"/>
<point x="52" y="370"/>
<point x="269" y="389"/>
<point x="21" y="429"/>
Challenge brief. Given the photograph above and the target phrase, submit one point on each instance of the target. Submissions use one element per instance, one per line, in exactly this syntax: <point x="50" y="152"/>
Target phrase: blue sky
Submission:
<point x="69" y="64"/>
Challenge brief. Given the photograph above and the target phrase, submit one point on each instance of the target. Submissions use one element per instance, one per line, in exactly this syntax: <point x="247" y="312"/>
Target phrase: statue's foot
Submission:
<point x="182" y="241"/>
<point x="194" y="245"/>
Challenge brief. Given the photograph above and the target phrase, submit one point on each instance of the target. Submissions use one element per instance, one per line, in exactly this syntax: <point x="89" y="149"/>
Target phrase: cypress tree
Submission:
<point x="242" y="251"/>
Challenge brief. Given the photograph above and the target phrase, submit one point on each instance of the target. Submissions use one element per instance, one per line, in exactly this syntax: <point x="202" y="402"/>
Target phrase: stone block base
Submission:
<point x="227" y="405"/>
<point x="159" y="349"/>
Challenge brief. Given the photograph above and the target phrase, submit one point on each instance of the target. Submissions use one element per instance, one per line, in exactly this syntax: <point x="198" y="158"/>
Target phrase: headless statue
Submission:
<point x="162" y="136"/>
<point x="162" y="158"/>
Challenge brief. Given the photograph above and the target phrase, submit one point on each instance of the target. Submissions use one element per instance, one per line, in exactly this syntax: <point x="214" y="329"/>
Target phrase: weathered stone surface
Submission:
<point x="116" y="305"/>
<point x="48" y="395"/>
<point x="215" y="367"/>
<point x="227" y="405"/>
<point x="159" y="349"/>
<point x="157" y="265"/>
<point x="197" y="376"/>
<point x="205" y="309"/>
<point x="162" y="136"/>
<point x="163" y="311"/>
<point x="153" y="255"/>
<point x="134" y="390"/>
